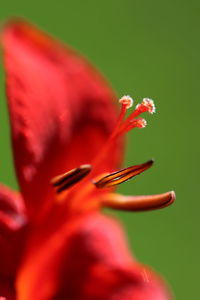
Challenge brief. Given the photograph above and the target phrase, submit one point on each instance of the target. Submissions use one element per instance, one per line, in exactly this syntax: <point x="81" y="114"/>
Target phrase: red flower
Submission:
<point x="54" y="242"/>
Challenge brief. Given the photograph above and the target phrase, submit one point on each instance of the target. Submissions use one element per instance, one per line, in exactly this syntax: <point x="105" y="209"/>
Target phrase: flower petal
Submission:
<point x="7" y="291"/>
<point x="61" y="110"/>
<point x="87" y="260"/>
<point x="12" y="231"/>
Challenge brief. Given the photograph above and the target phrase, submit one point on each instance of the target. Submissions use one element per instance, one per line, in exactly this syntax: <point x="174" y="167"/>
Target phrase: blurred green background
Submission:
<point x="145" y="49"/>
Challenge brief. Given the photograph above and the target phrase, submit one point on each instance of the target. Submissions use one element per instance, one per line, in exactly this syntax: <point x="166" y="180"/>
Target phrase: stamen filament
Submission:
<point x="122" y="175"/>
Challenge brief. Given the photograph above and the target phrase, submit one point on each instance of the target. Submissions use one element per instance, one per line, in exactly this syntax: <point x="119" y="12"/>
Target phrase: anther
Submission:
<point x="68" y="179"/>
<point x="137" y="203"/>
<point x="122" y="175"/>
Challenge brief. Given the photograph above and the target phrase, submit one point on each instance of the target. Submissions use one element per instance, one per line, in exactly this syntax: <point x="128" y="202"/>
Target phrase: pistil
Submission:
<point x="124" y="125"/>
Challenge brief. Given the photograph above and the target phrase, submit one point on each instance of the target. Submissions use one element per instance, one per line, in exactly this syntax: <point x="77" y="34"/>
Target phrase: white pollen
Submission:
<point x="126" y="100"/>
<point x="149" y="103"/>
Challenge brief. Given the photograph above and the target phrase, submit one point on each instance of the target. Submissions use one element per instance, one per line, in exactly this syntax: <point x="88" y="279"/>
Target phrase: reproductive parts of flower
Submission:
<point x="89" y="187"/>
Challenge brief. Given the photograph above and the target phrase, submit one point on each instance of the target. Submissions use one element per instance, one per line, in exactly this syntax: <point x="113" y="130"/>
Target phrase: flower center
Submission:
<point x="89" y="185"/>
<point x="69" y="179"/>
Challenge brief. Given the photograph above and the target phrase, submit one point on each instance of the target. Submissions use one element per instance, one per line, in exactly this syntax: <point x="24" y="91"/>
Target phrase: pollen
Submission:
<point x="127" y="101"/>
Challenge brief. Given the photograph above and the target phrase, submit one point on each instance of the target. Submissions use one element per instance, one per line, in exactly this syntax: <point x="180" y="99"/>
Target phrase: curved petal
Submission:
<point x="61" y="110"/>
<point x="86" y="260"/>
<point x="12" y="231"/>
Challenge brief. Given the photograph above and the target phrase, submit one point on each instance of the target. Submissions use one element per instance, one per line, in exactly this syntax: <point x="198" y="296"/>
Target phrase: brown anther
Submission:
<point x="68" y="179"/>
<point x="138" y="203"/>
<point x="122" y="175"/>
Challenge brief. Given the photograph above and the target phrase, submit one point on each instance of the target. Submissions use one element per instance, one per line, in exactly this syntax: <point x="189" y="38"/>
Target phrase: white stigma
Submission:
<point x="142" y="123"/>
<point x="149" y="103"/>
<point x="126" y="100"/>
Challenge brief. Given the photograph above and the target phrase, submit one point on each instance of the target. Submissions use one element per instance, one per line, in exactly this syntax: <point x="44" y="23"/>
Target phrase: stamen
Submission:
<point x="122" y="175"/>
<point x="68" y="179"/>
<point x="138" y="203"/>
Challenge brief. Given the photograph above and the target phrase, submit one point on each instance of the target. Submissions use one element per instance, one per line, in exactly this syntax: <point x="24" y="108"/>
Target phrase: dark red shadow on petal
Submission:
<point x="13" y="224"/>
<point x="7" y="289"/>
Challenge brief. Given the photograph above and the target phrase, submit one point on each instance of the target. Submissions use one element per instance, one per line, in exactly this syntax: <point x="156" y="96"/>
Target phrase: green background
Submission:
<point x="145" y="49"/>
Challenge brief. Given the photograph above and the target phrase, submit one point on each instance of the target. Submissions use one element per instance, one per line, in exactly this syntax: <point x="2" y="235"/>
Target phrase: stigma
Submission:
<point x="147" y="105"/>
<point x="127" y="101"/>
<point x="126" y="124"/>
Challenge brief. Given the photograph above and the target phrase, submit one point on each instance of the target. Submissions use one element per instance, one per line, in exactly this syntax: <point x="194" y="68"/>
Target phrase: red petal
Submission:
<point x="61" y="109"/>
<point x="12" y="231"/>
<point x="86" y="260"/>
<point x="7" y="291"/>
